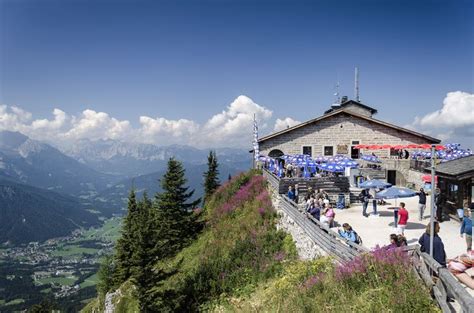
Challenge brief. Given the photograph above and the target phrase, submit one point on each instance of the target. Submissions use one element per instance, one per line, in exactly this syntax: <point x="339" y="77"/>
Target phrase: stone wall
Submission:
<point x="307" y="249"/>
<point x="339" y="129"/>
<point x="414" y="177"/>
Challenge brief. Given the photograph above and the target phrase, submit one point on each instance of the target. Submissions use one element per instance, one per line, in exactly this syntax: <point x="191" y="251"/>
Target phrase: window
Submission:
<point x="308" y="150"/>
<point x="328" y="150"/>
<point x="355" y="142"/>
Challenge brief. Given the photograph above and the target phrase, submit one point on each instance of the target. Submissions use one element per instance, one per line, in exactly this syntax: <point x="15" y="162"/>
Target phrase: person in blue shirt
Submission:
<point x="348" y="233"/>
<point x="291" y="194"/>
<point x="466" y="228"/>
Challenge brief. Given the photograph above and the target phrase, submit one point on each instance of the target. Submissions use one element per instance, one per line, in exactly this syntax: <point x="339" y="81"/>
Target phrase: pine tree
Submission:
<point x="126" y="245"/>
<point x="105" y="274"/>
<point x="211" y="179"/>
<point x="169" y="228"/>
<point x="176" y="225"/>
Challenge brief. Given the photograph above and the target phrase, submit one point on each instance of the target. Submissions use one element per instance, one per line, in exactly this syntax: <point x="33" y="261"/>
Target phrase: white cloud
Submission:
<point x="281" y="124"/>
<point x="454" y="121"/>
<point x="163" y="131"/>
<point x="231" y="127"/>
<point x="457" y="111"/>
<point x="234" y="126"/>
<point x="97" y="125"/>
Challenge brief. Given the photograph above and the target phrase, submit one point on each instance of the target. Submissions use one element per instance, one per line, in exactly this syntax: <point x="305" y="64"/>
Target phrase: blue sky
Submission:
<point x="191" y="59"/>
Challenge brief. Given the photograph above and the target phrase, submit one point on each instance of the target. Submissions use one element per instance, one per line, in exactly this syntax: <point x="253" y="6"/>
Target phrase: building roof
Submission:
<point x="345" y="111"/>
<point x="349" y="102"/>
<point x="460" y="168"/>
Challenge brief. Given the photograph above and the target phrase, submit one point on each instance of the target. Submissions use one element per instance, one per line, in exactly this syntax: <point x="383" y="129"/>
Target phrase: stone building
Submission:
<point x="339" y="130"/>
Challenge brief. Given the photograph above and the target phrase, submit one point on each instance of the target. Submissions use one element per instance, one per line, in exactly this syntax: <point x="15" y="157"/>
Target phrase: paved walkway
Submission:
<point x="376" y="230"/>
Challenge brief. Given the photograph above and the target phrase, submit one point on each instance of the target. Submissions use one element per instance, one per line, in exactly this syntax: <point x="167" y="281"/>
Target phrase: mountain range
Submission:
<point x="49" y="190"/>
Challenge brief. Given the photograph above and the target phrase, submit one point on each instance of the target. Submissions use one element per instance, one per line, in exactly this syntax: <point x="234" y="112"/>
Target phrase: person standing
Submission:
<point x="421" y="203"/>
<point x="402" y="218"/>
<point x="297" y="194"/>
<point x="373" y="193"/>
<point x="466" y="228"/>
<point x="440" y="201"/>
<point x="439" y="254"/>
<point x="291" y="194"/>
<point x="364" y="197"/>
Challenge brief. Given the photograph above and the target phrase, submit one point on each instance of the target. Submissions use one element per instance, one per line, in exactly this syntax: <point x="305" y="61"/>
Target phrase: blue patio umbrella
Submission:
<point x="334" y="168"/>
<point x="374" y="183"/>
<point x="395" y="193"/>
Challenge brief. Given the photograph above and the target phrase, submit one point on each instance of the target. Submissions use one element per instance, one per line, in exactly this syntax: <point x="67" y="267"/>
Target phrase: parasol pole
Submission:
<point x="432" y="199"/>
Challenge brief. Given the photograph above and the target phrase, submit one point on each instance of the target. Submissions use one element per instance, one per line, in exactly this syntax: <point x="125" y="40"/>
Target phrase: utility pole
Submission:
<point x="432" y="231"/>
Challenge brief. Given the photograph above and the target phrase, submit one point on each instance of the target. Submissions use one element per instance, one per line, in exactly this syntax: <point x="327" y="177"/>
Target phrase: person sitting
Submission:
<point x="330" y="215"/>
<point x="402" y="241"/>
<point x="439" y="254"/>
<point x="393" y="242"/>
<point x="314" y="210"/>
<point x="462" y="267"/>
<point x="348" y="233"/>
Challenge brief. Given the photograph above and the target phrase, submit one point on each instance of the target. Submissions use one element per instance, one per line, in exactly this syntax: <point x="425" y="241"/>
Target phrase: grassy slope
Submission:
<point x="241" y="263"/>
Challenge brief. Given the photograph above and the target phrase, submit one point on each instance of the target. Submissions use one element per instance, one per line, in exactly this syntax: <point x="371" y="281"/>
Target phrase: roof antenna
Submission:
<point x="336" y="94"/>
<point x="356" y="85"/>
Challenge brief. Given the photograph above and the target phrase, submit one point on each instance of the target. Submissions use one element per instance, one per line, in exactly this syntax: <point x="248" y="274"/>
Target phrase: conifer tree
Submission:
<point x="105" y="274"/>
<point x="127" y="243"/>
<point x="171" y="226"/>
<point x="211" y="179"/>
<point x="176" y="225"/>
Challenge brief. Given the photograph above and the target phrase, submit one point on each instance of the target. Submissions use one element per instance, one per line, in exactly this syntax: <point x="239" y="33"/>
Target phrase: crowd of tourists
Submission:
<point x="316" y="203"/>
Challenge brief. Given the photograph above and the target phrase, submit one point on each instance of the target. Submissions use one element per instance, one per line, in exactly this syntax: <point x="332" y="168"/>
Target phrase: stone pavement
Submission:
<point x="376" y="230"/>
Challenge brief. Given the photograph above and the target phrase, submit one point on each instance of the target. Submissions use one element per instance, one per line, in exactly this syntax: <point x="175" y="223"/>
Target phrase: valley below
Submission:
<point x="62" y="270"/>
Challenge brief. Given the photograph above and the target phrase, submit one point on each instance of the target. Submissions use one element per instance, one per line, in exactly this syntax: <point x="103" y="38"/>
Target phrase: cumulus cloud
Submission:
<point x="154" y="128"/>
<point x="454" y="121"/>
<point x="457" y="111"/>
<point x="231" y="127"/>
<point x="234" y="126"/>
<point x="281" y="124"/>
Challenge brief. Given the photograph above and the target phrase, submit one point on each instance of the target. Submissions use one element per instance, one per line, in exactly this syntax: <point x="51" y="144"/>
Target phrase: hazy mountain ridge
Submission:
<point x="33" y="214"/>
<point x="38" y="164"/>
<point x="136" y="159"/>
<point x="116" y="196"/>
<point x="30" y="170"/>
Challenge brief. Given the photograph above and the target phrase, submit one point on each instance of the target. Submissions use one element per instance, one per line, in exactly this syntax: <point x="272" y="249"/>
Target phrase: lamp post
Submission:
<point x="433" y="190"/>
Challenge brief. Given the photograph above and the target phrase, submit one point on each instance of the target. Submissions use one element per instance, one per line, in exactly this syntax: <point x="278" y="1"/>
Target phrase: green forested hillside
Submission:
<point x="29" y="214"/>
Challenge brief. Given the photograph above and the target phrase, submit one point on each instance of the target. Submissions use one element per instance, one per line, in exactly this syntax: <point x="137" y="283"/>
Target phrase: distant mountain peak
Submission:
<point x="11" y="140"/>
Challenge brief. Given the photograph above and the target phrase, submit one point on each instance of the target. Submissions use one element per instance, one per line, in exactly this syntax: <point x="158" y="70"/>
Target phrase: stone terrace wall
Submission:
<point x="307" y="248"/>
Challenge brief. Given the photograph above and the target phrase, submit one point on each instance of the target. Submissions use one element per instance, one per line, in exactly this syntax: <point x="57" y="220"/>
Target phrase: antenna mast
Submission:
<point x="336" y="94"/>
<point x="356" y="84"/>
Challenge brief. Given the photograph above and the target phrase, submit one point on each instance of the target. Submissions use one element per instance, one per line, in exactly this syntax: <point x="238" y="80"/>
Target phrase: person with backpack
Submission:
<point x="364" y="198"/>
<point x="349" y="234"/>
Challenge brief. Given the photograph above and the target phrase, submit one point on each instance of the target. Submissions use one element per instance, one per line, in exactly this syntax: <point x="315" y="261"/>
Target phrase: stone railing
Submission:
<point x="328" y="240"/>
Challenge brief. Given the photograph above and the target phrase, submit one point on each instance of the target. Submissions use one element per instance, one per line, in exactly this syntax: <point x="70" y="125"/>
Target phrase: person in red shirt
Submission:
<point x="402" y="218"/>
